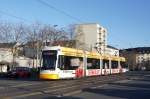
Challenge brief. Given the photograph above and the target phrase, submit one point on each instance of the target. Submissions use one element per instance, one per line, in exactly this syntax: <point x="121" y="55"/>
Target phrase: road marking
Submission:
<point x="72" y="93"/>
<point x="47" y="91"/>
<point x="99" y="86"/>
<point x="122" y="81"/>
<point x="23" y="95"/>
<point x="53" y="87"/>
<point x="2" y="87"/>
<point x="24" y="84"/>
<point x="147" y="75"/>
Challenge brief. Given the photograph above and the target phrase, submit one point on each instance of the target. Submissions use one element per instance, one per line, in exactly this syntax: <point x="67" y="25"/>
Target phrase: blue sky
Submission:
<point x="127" y="21"/>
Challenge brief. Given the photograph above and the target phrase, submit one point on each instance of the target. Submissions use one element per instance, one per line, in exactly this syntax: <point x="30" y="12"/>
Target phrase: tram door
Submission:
<point x="105" y="69"/>
<point x="114" y="67"/>
<point x="80" y="70"/>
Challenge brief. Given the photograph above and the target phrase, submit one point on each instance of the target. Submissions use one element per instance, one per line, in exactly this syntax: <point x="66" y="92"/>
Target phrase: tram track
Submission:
<point x="60" y="87"/>
<point x="82" y="86"/>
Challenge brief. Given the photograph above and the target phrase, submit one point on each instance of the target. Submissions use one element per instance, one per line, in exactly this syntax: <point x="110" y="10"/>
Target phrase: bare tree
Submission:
<point x="19" y="32"/>
<point x="13" y="34"/>
<point x="71" y="31"/>
<point x="18" y="36"/>
<point x="5" y="32"/>
<point x="58" y="35"/>
<point x="33" y="40"/>
<point x="33" y="35"/>
<point x="51" y="34"/>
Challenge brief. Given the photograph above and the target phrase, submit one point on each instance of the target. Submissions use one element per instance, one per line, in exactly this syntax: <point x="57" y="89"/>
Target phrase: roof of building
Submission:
<point x="7" y="45"/>
<point x="87" y="24"/>
<point x="138" y="49"/>
<point x="109" y="46"/>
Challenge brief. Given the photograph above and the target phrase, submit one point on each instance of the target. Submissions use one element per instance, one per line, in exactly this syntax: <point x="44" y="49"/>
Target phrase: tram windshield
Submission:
<point x="49" y="59"/>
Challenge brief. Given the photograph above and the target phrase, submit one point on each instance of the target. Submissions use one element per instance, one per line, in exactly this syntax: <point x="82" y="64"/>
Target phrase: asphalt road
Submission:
<point x="137" y="86"/>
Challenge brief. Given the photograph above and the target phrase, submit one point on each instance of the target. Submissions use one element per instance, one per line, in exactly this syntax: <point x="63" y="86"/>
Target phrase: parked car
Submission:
<point x="21" y="72"/>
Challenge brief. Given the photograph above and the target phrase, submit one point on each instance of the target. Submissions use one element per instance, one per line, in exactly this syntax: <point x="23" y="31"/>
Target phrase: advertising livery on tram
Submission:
<point x="63" y="63"/>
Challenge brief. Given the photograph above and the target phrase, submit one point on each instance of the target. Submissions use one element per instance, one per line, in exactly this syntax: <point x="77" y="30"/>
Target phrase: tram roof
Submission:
<point x="80" y="53"/>
<point x="65" y="49"/>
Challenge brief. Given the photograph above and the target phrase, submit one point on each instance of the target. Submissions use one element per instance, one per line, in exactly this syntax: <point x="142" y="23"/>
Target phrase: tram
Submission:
<point x="63" y="63"/>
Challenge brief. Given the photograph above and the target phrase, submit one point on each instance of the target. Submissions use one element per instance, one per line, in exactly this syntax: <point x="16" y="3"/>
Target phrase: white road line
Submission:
<point x="53" y="86"/>
<point x="99" y="86"/>
<point x="122" y="81"/>
<point x="72" y="93"/>
<point x="23" y="85"/>
<point x="47" y="91"/>
<point x="147" y="75"/>
<point x="2" y="87"/>
<point x="23" y="95"/>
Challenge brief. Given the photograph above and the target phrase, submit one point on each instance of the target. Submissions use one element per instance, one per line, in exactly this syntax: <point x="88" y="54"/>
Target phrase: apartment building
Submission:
<point x="137" y="58"/>
<point x="91" y="36"/>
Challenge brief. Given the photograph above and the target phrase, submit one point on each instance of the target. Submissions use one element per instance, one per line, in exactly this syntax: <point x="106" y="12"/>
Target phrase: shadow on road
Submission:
<point x="122" y="93"/>
<point x="66" y="97"/>
<point x="20" y="79"/>
<point x="136" y="85"/>
<point x="137" y="89"/>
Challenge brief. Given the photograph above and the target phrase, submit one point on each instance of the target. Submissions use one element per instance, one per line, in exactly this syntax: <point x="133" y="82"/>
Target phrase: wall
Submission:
<point x="111" y="51"/>
<point x="91" y="36"/>
<point x="7" y="56"/>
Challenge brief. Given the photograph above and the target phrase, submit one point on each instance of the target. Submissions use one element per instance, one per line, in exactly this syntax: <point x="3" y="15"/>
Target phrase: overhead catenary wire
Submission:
<point x="14" y="16"/>
<point x="58" y="10"/>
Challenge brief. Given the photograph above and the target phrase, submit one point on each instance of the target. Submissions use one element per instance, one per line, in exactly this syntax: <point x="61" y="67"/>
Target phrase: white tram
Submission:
<point x="62" y="63"/>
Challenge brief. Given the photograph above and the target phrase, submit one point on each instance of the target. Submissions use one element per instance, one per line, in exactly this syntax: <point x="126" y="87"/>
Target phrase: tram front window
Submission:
<point x="49" y="59"/>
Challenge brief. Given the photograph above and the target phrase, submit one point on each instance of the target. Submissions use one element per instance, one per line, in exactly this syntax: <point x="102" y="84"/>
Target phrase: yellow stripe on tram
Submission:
<point x="49" y="76"/>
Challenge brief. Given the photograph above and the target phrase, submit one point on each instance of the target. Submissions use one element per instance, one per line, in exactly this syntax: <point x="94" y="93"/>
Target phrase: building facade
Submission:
<point x="112" y="50"/>
<point x="91" y="37"/>
<point x="10" y="57"/>
<point x="137" y="58"/>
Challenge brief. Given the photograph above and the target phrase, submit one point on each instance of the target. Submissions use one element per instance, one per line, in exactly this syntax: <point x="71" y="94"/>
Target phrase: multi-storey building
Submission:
<point x="91" y="37"/>
<point x="137" y="58"/>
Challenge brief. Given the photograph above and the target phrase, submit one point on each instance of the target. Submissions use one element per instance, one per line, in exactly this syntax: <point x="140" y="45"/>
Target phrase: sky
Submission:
<point x="127" y="21"/>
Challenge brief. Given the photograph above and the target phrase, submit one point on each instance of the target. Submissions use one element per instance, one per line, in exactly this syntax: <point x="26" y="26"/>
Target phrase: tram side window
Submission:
<point x="69" y="62"/>
<point x="93" y="63"/>
<point x="114" y="64"/>
<point x="105" y="64"/>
